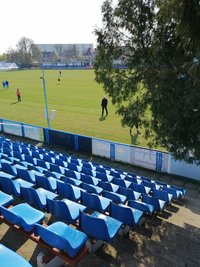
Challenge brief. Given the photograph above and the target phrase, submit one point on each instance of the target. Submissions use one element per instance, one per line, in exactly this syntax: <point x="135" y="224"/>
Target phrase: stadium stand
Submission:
<point x="89" y="202"/>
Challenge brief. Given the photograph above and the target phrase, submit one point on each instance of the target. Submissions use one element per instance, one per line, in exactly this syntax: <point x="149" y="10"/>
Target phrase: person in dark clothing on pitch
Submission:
<point x="104" y="104"/>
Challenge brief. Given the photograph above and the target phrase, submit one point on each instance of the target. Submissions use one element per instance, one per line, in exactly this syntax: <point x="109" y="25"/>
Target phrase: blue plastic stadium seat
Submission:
<point x="74" y="167"/>
<point x="37" y="168"/>
<point x="133" y="179"/>
<point x="162" y="194"/>
<point x="69" y="191"/>
<point x="158" y="204"/>
<point x="18" y="155"/>
<point x="28" y="175"/>
<point x="177" y="194"/>
<point x="5" y="199"/>
<point x="62" y="236"/>
<point x="17" y="147"/>
<point x="100" y="226"/>
<point x="127" y="215"/>
<point x="74" y="161"/>
<point x="140" y="188"/>
<point x="129" y="193"/>
<point x="7" y="151"/>
<point x="7" y="175"/>
<point x="13" y="187"/>
<point x="151" y="184"/>
<point x="26" y="150"/>
<point x="104" y="177"/>
<point x="181" y="191"/>
<point x="95" y="202"/>
<point x="72" y="174"/>
<point x="87" y="171"/>
<point x="8" y="168"/>
<point x="5" y="158"/>
<point x="100" y="169"/>
<point x="48" y="183"/>
<point x="72" y="181"/>
<point x="115" y="174"/>
<point x="30" y="159"/>
<point x="121" y="182"/>
<point x="145" y="207"/>
<point x="91" y="188"/>
<point x="65" y="210"/>
<point x="48" y="158"/>
<point x="109" y="186"/>
<point x="48" y="173"/>
<point x="117" y="198"/>
<point x="36" y="154"/>
<point x="9" y="258"/>
<point x="86" y="165"/>
<point x="89" y="179"/>
<point x="37" y="197"/>
<point x="57" y="168"/>
<point x="65" y="158"/>
<point x="43" y="164"/>
<point x="22" y="215"/>
<point x="60" y="162"/>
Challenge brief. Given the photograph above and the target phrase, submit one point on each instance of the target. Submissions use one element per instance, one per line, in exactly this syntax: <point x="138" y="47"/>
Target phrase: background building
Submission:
<point x="72" y="54"/>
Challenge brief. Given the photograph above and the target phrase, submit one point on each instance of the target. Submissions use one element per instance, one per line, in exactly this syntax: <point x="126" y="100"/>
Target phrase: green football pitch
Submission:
<point x="76" y="101"/>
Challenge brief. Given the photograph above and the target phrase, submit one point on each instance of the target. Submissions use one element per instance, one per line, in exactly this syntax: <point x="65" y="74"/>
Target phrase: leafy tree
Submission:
<point x="25" y="54"/>
<point x="59" y="49"/>
<point x="156" y="41"/>
<point x="3" y="57"/>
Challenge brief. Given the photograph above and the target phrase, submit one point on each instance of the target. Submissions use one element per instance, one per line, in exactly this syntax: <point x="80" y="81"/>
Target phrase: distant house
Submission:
<point x="8" y="66"/>
<point x="66" y="52"/>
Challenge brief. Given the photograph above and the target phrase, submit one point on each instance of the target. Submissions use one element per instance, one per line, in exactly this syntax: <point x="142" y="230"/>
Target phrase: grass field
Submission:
<point x="76" y="100"/>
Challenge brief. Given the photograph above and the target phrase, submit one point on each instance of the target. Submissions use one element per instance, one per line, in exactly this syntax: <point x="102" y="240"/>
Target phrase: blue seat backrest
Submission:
<point x="47" y="158"/>
<point x="93" y="226"/>
<point x="10" y="187"/>
<point x="89" y="179"/>
<point x="69" y="191"/>
<point x="100" y="169"/>
<point x="138" y="187"/>
<point x="86" y="171"/>
<point x="42" y="163"/>
<point x="31" y="196"/>
<point x="125" y="214"/>
<point x="58" y="209"/>
<point x="29" y="159"/>
<point x="160" y="194"/>
<point x="6" y="167"/>
<point x="36" y="154"/>
<point x="62" y="236"/>
<point x="59" y="162"/>
<point x="7" y="151"/>
<point x="17" y="155"/>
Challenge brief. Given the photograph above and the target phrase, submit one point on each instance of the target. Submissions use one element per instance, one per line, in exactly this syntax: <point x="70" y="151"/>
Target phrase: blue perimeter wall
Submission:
<point x="134" y="155"/>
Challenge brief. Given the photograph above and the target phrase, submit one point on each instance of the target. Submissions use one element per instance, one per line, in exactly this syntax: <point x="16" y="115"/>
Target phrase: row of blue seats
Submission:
<point x="139" y="185"/>
<point x="107" y="226"/>
<point x="60" y="235"/>
<point x="49" y="155"/>
<point x="65" y="187"/>
<point x="37" y="197"/>
<point x="58" y="159"/>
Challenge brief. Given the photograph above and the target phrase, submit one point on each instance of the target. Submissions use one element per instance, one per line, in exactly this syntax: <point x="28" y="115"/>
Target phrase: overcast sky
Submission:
<point x="49" y="21"/>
